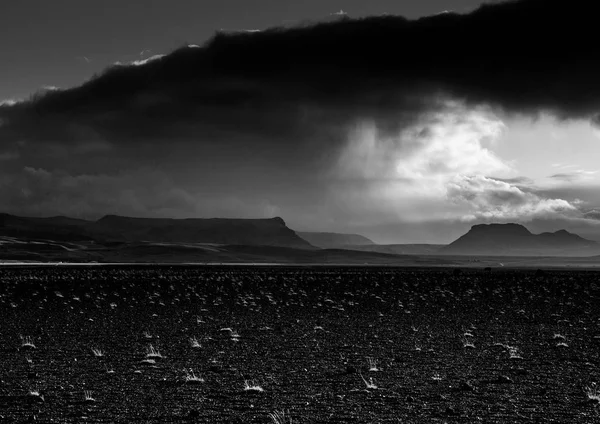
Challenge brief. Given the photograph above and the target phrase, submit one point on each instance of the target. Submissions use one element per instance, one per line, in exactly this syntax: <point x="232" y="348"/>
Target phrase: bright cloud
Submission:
<point x="443" y="167"/>
<point x="450" y="143"/>
<point x="490" y="199"/>
<point x="145" y="61"/>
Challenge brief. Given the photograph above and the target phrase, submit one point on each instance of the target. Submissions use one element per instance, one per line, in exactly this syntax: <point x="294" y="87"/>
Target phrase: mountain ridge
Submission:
<point x="65" y="238"/>
<point x="513" y="239"/>
<point x="116" y="228"/>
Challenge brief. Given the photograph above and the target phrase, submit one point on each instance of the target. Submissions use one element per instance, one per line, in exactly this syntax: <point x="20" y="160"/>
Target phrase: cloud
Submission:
<point x="9" y="102"/>
<point x="408" y="174"/>
<point x="136" y="192"/>
<point x="517" y="181"/>
<point x="571" y="176"/>
<point x="442" y="167"/>
<point x="381" y="118"/>
<point x="141" y="62"/>
<point x="592" y="214"/>
<point x="8" y="155"/>
<point x="451" y="140"/>
<point x="490" y="199"/>
<point x="386" y="68"/>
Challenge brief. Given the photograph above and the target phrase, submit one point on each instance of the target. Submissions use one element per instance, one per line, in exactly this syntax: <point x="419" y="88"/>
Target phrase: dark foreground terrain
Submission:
<point x="336" y="345"/>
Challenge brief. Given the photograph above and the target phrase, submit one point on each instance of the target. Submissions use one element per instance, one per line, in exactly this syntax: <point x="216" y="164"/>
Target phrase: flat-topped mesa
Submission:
<point x="120" y="219"/>
<point x="264" y="231"/>
<point x="505" y="229"/>
<point x="516" y="240"/>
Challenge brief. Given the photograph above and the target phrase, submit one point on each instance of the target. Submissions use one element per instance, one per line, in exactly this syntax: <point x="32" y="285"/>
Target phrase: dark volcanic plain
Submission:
<point x="325" y="345"/>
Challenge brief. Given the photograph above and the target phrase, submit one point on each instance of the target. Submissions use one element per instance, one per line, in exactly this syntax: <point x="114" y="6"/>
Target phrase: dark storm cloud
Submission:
<point x="139" y="192"/>
<point x="524" y="56"/>
<point x="270" y="112"/>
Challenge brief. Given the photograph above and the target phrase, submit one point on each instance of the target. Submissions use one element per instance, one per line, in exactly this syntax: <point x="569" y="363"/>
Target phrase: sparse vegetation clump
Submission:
<point x="370" y="384"/>
<point x="467" y="343"/>
<point x="593" y="392"/>
<point x="252" y="386"/>
<point x="372" y="364"/>
<point x="152" y="353"/>
<point x="27" y="342"/>
<point x="87" y="396"/>
<point x="281" y="417"/>
<point x="190" y="377"/>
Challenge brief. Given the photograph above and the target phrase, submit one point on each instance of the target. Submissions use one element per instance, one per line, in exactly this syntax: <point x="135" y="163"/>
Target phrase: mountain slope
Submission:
<point x="335" y="240"/>
<point x="516" y="240"/>
<point x="112" y="228"/>
<point x="58" y="228"/>
<point x="252" y="232"/>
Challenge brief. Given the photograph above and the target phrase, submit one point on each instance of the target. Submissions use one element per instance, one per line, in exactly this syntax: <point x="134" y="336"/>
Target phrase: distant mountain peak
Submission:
<point x="113" y="217"/>
<point x="515" y="240"/>
<point x="564" y="232"/>
<point x="510" y="227"/>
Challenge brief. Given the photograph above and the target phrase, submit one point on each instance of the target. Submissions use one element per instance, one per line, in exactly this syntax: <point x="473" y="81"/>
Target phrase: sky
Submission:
<point x="404" y="121"/>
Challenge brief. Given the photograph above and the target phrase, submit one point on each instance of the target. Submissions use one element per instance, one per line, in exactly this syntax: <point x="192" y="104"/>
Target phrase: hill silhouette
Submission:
<point x="59" y="228"/>
<point x="219" y="240"/>
<point x="252" y="232"/>
<point x="113" y="228"/>
<point x="516" y="240"/>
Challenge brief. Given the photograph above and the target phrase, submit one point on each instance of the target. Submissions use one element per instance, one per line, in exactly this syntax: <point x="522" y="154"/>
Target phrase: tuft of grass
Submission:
<point x="87" y="394"/>
<point x="467" y="343"/>
<point x="27" y="342"/>
<point x="152" y="353"/>
<point x="372" y="364"/>
<point x="191" y="378"/>
<point x="235" y="336"/>
<point x="35" y="393"/>
<point x="194" y="343"/>
<point x="251" y="386"/>
<point x="97" y="352"/>
<point x="370" y="384"/>
<point x="593" y="392"/>
<point x="281" y="417"/>
<point x="514" y="352"/>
